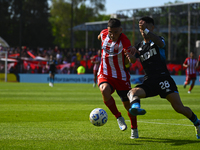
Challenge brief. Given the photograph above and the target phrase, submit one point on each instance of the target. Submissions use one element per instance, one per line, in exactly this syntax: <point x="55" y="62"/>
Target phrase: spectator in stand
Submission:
<point x="94" y="52"/>
<point x="82" y="53"/>
<point x="80" y="70"/>
<point x="59" y="57"/>
<point x="73" y="51"/>
<point x="44" y="70"/>
<point x="86" y="57"/>
<point x="64" y="52"/>
<point x="68" y="56"/>
<point x="65" y="60"/>
<point x="191" y="65"/>
<point x="56" y="49"/>
<point x="50" y="51"/>
<point x="78" y="56"/>
<point x="73" y="58"/>
<point x="90" y="52"/>
<point x="73" y="63"/>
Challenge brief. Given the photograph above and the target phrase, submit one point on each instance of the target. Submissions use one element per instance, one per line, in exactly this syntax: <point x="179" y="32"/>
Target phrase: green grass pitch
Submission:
<point x="34" y="116"/>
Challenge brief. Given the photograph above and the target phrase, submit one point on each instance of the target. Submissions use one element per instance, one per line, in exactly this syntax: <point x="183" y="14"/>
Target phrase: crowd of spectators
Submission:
<point x="72" y="58"/>
<point x="75" y="57"/>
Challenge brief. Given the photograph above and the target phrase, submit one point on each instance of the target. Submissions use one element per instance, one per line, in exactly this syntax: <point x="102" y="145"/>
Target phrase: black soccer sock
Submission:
<point x="194" y="119"/>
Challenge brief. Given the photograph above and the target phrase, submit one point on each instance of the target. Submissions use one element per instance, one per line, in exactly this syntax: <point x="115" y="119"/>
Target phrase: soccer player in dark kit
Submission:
<point x="52" y="69"/>
<point x="157" y="80"/>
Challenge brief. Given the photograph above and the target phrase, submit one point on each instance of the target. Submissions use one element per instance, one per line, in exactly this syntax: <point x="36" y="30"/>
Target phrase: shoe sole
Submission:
<point x="134" y="137"/>
<point x="135" y="112"/>
<point x="123" y="129"/>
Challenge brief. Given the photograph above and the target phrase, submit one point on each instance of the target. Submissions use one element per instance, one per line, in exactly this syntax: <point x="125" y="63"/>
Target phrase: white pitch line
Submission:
<point x="173" y="124"/>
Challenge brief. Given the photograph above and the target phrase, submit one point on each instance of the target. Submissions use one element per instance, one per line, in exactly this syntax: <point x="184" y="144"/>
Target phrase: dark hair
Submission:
<point x="147" y="19"/>
<point x="113" y="23"/>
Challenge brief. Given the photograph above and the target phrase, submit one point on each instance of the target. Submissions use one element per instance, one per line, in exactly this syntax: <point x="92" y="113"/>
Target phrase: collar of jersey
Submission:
<point x="148" y="42"/>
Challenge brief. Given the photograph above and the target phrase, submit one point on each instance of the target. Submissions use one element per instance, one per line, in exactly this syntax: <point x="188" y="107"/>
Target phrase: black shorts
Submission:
<point x="121" y="93"/>
<point x="162" y="86"/>
<point x="52" y="72"/>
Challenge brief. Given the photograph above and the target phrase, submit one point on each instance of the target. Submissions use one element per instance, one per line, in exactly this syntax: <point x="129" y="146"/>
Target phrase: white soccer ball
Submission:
<point x="98" y="117"/>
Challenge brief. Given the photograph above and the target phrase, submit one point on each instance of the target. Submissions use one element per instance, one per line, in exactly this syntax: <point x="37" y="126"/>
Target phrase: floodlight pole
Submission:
<point x="169" y="34"/>
<point x="86" y="37"/>
<point x="71" y="24"/>
<point x="189" y="29"/>
<point x="133" y="31"/>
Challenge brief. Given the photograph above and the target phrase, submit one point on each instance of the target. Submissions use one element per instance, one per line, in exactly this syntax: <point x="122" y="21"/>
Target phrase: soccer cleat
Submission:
<point x="51" y="84"/>
<point x="136" y="110"/>
<point x="94" y="85"/>
<point x="189" y="92"/>
<point x="134" y="134"/>
<point x="184" y="86"/>
<point x="121" y="123"/>
<point x="197" y="128"/>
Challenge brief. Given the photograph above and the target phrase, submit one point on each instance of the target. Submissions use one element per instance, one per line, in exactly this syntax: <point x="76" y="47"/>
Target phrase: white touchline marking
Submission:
<point x="174" y="124"/>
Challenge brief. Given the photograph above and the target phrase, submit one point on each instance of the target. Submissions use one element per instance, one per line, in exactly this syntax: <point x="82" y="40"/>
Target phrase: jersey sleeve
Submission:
<point x="125" y="41"/>
<point x="137" y="47"/>
<point x="103" y="34"/>
<point x="185" y="62"/>
<point x="163" y="40"/>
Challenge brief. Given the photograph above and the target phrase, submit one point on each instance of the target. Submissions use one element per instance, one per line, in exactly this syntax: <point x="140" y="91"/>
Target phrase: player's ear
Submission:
<point x="152" y="27"/>
<point x="120" y="29"/>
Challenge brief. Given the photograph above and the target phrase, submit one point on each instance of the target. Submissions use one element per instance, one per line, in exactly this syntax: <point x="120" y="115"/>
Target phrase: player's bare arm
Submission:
<point x="130" y="54"/>
<point x="99" y="37"/>
<point x="184" y="65"/>
<point x="147" y="33"/>
<point x="197" y="64"/>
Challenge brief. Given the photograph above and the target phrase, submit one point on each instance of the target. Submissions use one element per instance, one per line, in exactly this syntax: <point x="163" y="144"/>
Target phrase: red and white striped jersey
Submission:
<point x="192" y="63"/>
<point x="113" y="57"/>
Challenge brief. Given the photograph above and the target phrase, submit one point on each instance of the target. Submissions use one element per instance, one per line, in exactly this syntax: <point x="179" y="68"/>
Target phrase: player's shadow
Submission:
<point x="173" y="142"/>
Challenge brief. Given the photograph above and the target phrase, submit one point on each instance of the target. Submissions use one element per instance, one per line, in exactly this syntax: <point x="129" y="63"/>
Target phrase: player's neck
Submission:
<point x="146" y="40"/>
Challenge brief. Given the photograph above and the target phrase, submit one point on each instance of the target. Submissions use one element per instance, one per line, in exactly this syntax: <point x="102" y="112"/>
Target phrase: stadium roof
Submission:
<point x="3" y="42"/>
<point x="99" y="25"/>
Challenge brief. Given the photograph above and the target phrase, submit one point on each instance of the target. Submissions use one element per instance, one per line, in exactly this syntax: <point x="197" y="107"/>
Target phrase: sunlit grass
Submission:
<point x="36" y="116"/>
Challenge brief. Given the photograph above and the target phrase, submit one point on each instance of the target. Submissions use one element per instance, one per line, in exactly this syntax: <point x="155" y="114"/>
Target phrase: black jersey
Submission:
<point x="52" y="65"/>
<point x="152" y="58"/>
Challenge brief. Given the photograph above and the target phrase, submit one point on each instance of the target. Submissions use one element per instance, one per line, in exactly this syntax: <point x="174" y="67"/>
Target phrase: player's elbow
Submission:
<point x="99" y="37"/>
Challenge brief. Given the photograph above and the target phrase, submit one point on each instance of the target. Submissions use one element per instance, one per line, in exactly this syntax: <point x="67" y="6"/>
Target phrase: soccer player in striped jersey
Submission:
<point x="190" y="64"/>
<point x="112" y="73"/>
<point x="157" y="80"/>
<point x="96" y="59"/>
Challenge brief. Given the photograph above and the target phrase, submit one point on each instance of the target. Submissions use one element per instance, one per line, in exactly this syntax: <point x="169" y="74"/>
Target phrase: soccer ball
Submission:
<point x="98" y="117"/>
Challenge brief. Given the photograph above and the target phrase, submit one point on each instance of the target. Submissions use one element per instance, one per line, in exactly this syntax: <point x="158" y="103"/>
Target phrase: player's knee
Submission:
<point x="132" y="97"/>
<point x="105" y="90"/>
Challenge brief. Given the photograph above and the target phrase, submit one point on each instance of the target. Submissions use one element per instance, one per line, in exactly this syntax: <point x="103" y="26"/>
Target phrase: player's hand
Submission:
<point x="130" y="54"/>
<point x="131" y="50"/>
<point x="142" y="25"/>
